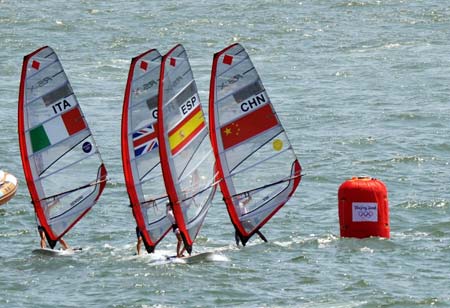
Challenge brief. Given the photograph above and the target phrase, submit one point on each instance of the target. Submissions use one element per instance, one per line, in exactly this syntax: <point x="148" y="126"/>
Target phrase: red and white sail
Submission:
<point x="257" y="167"/>
<point x="63" y="168"/>
<point x="140" y="149"/>
<point x="187" y="159"/>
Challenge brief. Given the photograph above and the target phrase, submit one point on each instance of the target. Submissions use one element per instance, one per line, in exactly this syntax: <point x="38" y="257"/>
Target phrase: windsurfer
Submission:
<point x="139" y="240"/>
<point x="61" y="241"/>
<point x="171" y="217"/>
<point x="244" y="210"/>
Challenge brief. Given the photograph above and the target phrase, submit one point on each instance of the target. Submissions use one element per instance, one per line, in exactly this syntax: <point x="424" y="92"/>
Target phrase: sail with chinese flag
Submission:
<point x="140" y="149"/>
<point x="187" y="160"/>
<point x="56" y="144"/>
<point x="258" y="170"/>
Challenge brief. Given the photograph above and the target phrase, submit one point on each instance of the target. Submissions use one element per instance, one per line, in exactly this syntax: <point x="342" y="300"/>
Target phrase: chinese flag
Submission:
<point x="250" y="125"/>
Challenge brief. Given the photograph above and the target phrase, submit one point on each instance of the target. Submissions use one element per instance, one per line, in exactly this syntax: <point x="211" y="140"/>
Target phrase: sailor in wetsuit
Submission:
<point x="171" y="217"/>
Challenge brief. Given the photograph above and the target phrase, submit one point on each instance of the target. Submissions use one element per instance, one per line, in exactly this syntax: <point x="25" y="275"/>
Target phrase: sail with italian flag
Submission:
<point x="140" y="149"/>
<point x="187" y="160"/>
<point x="258" y="170"/>
<point x="63" y="168"/>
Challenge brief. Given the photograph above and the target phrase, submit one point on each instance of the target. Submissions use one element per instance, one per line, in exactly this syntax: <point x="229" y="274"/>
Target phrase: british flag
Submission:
<point x="145" y="140"/>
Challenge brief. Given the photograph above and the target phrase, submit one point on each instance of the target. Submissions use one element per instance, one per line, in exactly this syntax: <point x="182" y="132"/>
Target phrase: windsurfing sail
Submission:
<point x="140" y="149"/>
<point x="257" y="167"/>
<point x="187" y="159"/>
<point x="62" y="166"/>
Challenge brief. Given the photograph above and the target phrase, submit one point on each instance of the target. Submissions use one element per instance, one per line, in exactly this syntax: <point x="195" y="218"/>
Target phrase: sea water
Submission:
<point x="362" y="88"/>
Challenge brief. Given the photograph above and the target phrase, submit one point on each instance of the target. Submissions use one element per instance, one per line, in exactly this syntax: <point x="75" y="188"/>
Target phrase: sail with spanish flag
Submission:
<point x="56" y="144"/>
<point x="258" y="170"/>
<point x="187" y="160"/>
<point x="140" y="149"/>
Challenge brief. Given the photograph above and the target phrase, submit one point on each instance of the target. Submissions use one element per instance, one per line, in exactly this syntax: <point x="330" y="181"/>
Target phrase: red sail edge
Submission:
<point x="213" y="126"/>
<point x="167" y="174"/>
<point x="24" y="153"/>
<point x="129" y="180"/>
<point x="164" y="155"/>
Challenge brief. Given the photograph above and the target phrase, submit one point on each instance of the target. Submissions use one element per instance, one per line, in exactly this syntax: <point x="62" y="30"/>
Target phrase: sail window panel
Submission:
<point x="56" y="181"/>
<point x="190" y="209"/>
<point x="56" y="157"/>
<point x="198" y="175"/>
<point x="273" y="170"/>
<point x="236" y="154"/>
<point x="194" y="212"/>
<point x="157" y="229"/>
<point x="69" y="208"/>
<point x="263" y="203"/>
<point x="201" y="160"/>
<point x="74" y="201"/>
<point x="154" y="214"/>
<point x="147" y="165"/>
<point x="152" y="186"/>
<point x="45" y="80"/>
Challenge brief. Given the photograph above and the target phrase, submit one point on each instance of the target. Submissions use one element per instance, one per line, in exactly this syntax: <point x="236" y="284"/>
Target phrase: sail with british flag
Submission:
<point x="258" y="170"/>
<point x="187" y="159"/>
<point x="145" y="140"/>
<point x="140" y="149"/>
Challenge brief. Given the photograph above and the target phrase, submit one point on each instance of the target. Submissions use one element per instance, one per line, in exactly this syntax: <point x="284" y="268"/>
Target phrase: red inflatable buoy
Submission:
<point x="363" y="208"/>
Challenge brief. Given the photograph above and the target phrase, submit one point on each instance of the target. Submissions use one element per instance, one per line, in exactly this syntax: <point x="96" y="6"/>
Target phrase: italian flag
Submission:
<point x="57" y="129"/>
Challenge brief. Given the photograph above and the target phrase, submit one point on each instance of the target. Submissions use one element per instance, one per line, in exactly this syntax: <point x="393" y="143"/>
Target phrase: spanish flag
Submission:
<point x="186" y="130"/>
<point x="250" y="125"/>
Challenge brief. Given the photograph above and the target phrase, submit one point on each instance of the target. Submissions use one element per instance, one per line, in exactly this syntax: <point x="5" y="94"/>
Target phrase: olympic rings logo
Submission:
<point x="365" y="213"/>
